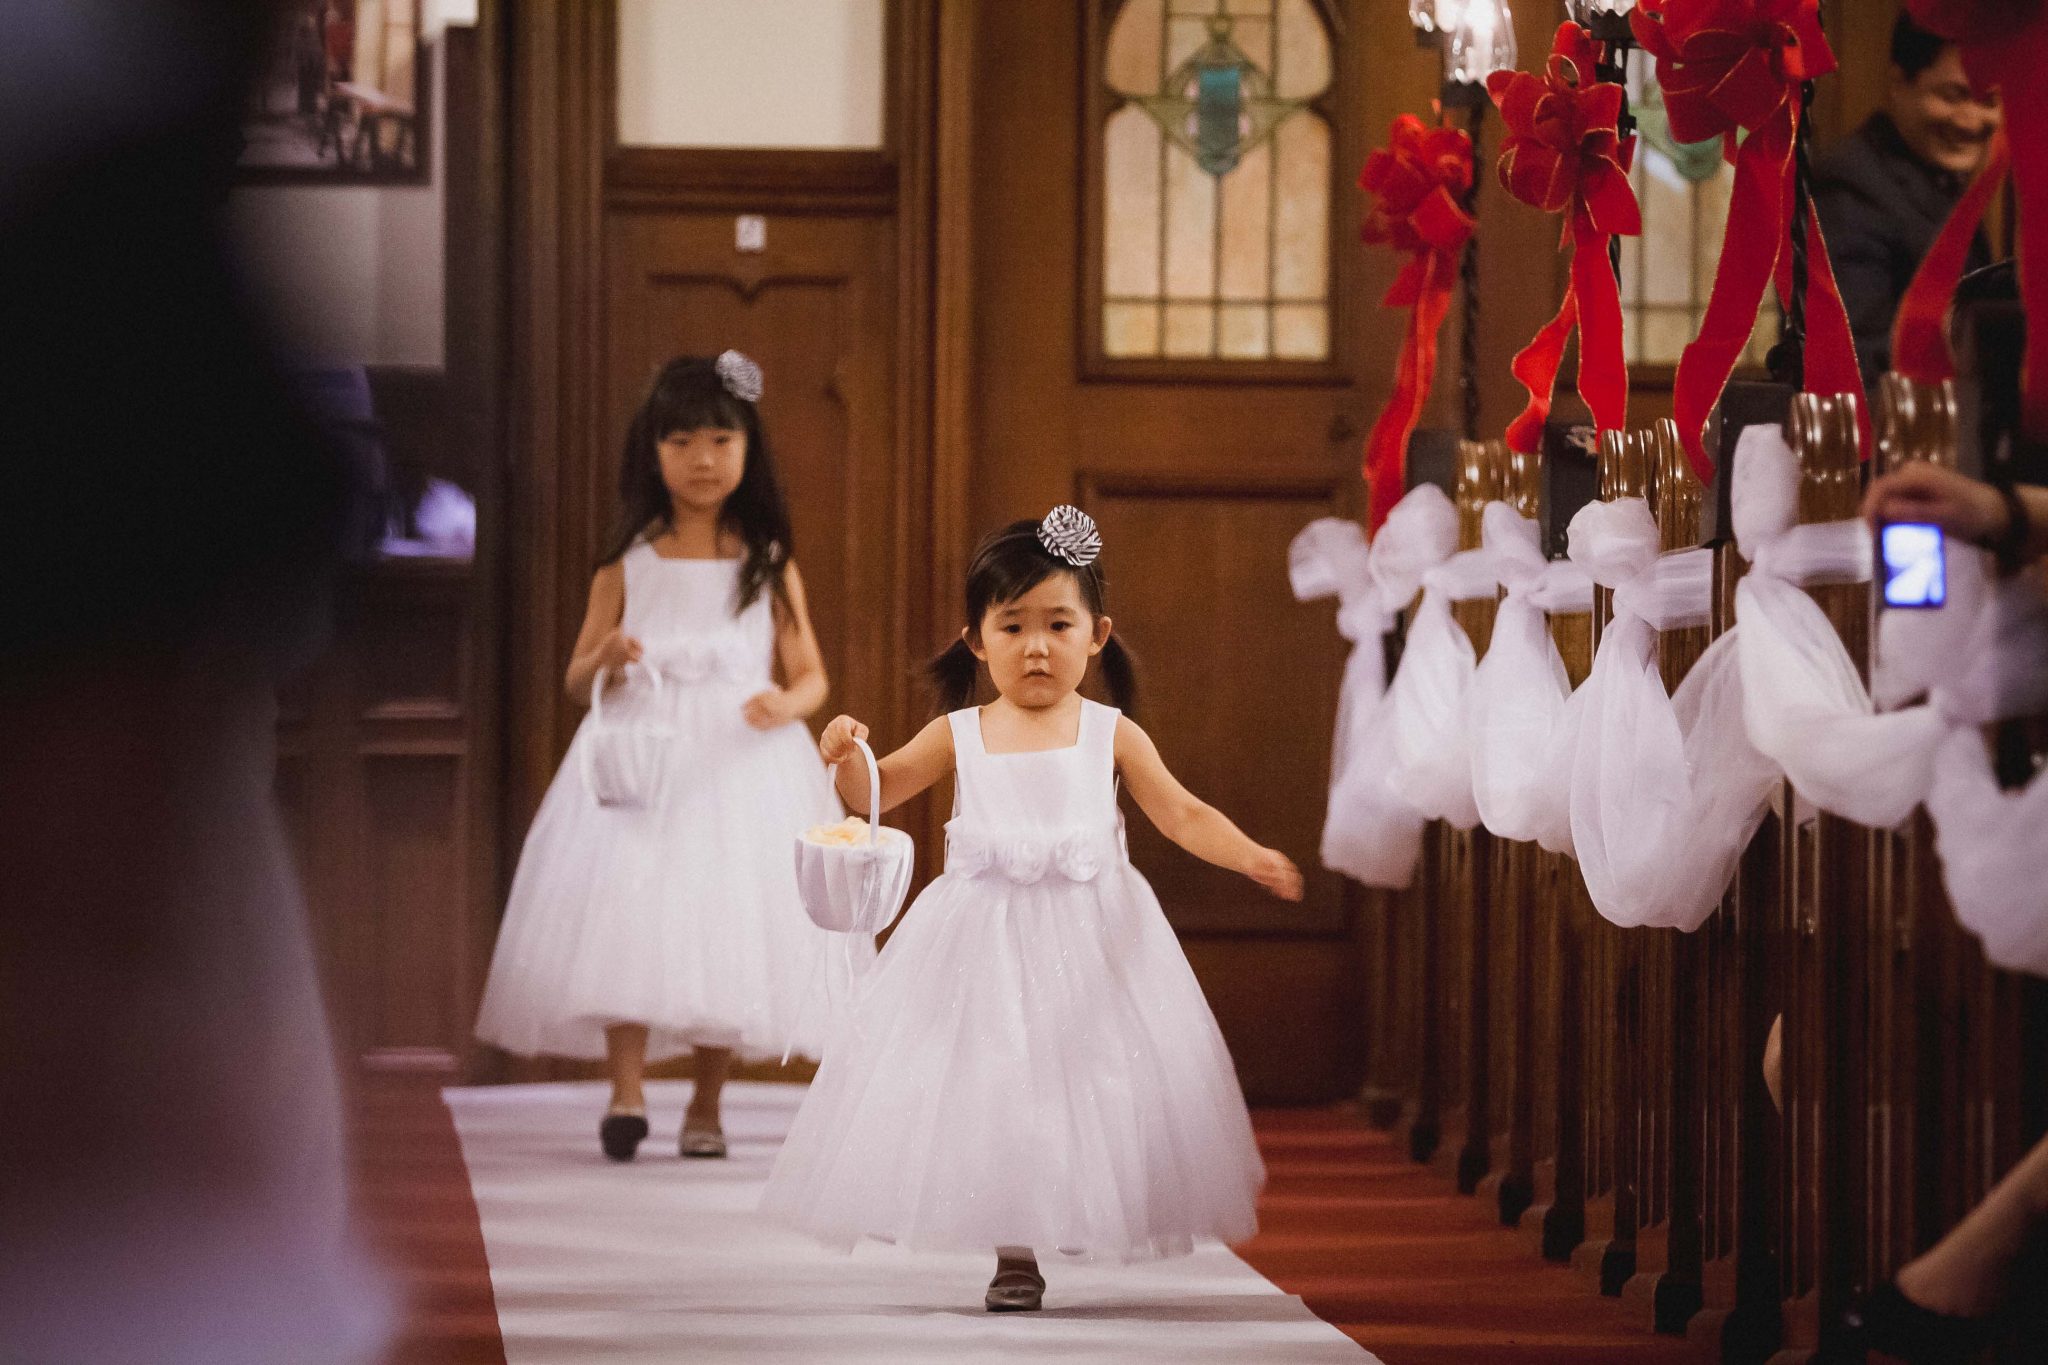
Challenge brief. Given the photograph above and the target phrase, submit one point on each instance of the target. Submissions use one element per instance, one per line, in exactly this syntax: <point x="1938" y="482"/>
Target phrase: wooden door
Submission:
<point x="815" y="309"/>
<point x="1199" y="474"/>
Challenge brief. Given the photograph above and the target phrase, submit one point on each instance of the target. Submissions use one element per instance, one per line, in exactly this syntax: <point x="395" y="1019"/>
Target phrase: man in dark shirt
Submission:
<point x="1884" y="191"/>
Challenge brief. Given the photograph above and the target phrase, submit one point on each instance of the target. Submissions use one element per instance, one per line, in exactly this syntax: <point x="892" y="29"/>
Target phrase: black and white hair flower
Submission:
<point x="1070" y="534"/>
<point x="741" y="376"/>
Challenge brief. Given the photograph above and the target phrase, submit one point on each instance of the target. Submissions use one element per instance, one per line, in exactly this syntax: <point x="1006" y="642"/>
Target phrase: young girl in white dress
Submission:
<point x="1032" y="1065"/>
<point x="638" y="933"/>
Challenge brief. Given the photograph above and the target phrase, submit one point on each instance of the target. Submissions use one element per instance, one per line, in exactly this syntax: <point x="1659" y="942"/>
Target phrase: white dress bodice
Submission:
<point x="1028" y="817"/>
<point x="681" y="612"/>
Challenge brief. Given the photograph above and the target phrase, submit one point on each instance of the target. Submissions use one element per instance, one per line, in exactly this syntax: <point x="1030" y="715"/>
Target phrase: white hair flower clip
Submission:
<point x="741" y="376"/>
<point x="1070" y="533"/>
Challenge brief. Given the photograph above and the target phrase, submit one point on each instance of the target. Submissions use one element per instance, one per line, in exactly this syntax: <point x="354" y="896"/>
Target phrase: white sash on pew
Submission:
<point x="1806" y="705"/>
<point x="1520" y="689"/>
<point x="1369" y="833"/>
<point x="1983" y="657"/>
<point x="1994" y="843"/>
<point x="1665" y="790"/>
<point x="1432" y="745"/>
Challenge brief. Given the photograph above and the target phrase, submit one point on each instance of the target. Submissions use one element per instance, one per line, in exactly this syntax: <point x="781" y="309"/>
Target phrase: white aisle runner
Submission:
<point x="666" y="1260"/>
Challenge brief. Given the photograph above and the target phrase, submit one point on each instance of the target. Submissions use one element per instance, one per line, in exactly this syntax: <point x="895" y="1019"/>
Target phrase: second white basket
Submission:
<point x="624" y="763"/>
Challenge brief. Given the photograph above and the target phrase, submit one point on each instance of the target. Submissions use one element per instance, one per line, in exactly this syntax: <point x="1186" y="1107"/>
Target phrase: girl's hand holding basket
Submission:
<point x="853" y="876"/>
<point x="837" y="744"/>
<point x="615" y="651"/>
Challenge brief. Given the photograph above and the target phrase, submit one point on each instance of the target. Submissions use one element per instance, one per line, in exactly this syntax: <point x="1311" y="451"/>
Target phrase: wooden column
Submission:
<point x="1482" y="473"/>
<point x="1670" y="1288"/>
<point x="1524" y="971"/>
<point x="1827" y="1037"/>
<point x="1614" y="1014"/>
<point x="1569" y="930"/>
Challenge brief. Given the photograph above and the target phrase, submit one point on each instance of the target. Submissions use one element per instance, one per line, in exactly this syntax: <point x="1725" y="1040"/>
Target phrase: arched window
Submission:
<point x="1667" y="274"/>
<point x="1212" y="206"/>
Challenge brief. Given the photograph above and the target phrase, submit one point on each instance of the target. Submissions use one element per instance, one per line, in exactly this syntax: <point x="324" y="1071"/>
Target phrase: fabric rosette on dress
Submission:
<point x="1369" y="833"/>
<point x="1520" y="690"/>
<point x="1981" y="658"/>
<point x="727" y="656"/>
<point x="1077" y="855"/>
<point x="1666" y="789"/>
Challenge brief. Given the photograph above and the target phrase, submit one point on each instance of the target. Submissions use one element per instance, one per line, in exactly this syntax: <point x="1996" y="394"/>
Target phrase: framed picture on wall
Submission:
<point x="342" y="97"/>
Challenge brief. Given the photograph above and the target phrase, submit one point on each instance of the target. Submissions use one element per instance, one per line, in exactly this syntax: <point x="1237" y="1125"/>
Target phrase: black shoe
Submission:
<point x="1889" y="1322"/>
<point x="621" y="1135"/>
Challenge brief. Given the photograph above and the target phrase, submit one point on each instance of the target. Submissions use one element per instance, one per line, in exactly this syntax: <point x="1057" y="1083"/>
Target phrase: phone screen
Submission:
<point x="1915" y="571"/>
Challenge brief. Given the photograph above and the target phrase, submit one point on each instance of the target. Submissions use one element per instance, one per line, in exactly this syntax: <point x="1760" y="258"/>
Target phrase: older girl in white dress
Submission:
<point x="1031" y="1065"/>
<point x="638" y="932"/>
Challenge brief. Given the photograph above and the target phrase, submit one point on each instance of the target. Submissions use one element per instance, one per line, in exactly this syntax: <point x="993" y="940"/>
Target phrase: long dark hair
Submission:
<point x="1008" y="564"/>
<point x="688" y="395"/>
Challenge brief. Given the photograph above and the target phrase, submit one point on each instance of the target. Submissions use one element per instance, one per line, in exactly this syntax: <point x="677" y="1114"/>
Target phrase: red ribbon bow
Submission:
<point x="1564" y="153"/>
<point x="2004" y="45"/>
<point x="1739" y="64"/>
<point x="1418" y="181"/>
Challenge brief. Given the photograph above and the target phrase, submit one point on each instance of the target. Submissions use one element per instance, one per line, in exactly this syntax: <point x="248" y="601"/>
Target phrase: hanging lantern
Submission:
<point x="1218" y="105"/>
<point x="1482" y="43"/>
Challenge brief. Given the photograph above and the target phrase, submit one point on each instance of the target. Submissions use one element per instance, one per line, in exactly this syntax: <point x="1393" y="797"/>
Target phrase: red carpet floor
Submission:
<point x="412" y="1194"/>
<point x="1420" y="1275"/>
<point x="1371" y="1242"/>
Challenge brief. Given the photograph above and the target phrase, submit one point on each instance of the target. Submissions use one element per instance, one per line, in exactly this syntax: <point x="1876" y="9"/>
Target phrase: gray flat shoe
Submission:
<point x="1016" y="1291"/>
<point x="701" y="1142"/>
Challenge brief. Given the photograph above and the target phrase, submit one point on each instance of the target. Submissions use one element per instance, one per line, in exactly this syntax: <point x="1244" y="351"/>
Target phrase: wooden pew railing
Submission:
<point x="1605" y="1086"/>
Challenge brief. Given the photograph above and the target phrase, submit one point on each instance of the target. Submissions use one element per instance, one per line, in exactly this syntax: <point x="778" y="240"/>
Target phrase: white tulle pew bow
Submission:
<point x="1806" y="704"/>
<point x="1520" y="689"/>
<point x="1980" y="658"/>
<point x="1370" y="833"/>
<point x="1665" y="790"/>
<point x="1993" y="843"/>
<point x="1427" y="701"/>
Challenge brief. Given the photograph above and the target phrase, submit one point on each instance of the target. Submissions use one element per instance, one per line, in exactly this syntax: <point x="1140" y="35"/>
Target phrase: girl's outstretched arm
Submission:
<point x="804" y="684"/>
<point x="1195" y="825"/>
<point x="600" y="644"/>
<point x="905" y="773"/>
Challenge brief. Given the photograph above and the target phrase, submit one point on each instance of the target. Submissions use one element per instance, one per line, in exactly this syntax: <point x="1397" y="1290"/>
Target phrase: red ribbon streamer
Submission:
<point x="2005" y="45"/>
<point x="1739" y="64"/>
<point x="1418" y="180"/>
<point x="1564" y="153"/>
<point x="1920" y="349"/>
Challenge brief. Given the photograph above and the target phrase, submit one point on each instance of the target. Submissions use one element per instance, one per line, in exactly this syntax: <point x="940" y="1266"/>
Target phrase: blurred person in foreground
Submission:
<point x="171" y="1174"/>
<point x="1884" y="191"/>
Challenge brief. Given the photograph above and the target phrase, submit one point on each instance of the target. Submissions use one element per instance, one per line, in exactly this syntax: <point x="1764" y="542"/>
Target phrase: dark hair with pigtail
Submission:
<point x="1008" y="564"/>
<point x="689" y="394"/>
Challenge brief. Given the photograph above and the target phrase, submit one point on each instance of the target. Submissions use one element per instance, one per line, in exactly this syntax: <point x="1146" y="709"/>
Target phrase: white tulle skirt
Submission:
<point x="682" y="916"/>
<point x="1029" y="1065"/>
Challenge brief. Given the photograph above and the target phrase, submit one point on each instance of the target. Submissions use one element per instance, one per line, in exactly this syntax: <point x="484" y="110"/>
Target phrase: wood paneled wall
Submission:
<point x="388" y="746"/>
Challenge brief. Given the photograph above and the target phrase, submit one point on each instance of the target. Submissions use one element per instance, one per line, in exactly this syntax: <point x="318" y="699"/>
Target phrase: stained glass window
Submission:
<point x="1667" y="274"/>
<point x="1216" y="182"/>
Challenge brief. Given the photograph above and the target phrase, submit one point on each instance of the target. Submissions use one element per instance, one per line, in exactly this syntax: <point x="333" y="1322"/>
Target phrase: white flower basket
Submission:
<point x="856" y="888"/>
<point x="624" y="762"/>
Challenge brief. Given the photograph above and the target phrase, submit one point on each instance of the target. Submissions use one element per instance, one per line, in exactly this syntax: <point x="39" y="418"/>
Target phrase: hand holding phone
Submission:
<point x="1912" y="565"/>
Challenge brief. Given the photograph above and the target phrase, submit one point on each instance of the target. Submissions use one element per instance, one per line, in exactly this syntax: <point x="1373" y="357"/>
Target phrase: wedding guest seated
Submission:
<point x="1884" y="191"/>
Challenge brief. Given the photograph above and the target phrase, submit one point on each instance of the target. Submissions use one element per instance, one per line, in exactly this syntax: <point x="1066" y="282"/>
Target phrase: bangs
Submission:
<point x="1012" y="562"/>
<point x="1010" y="581"/>
<point x="695" y="407"/>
